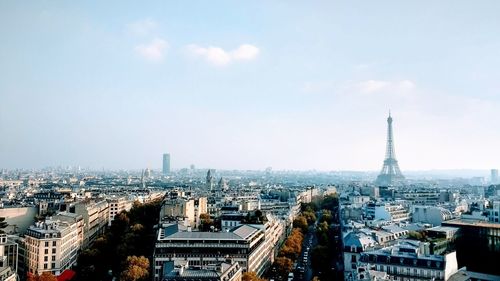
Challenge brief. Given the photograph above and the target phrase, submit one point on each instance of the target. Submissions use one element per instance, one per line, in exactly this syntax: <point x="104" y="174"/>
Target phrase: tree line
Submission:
<point x="125" y="251"/>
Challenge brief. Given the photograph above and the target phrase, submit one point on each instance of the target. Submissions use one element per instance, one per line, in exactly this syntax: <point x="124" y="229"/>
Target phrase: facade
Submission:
<point x="166" y="164"/>
<point x="52" y="245"/>
<point x="430" y="214"/>
<point x="494" y="176"/>
<point x="95" y="216"/>
<point x="180" y="206"/>
<point x="410" y="260"/>
<point x="225" y="271"/>
<point x="8" y="259"/>
<point x="117" y="205"/>
<point x="245" y="245"/>
<point x="387" y="211"/>
<point x="476" y="237"/>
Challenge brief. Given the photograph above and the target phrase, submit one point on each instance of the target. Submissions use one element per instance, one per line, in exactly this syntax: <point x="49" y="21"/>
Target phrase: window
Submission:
<point x="53" y="250"/>
<point x="46" y="258"/>
<point x="53" y="258"/>
<point x="45" y="266"/>
<point x="46" y="243"/>
<point x="53" y="265"/>
<point x="46" y="251"/>
<point x="54" y="243"/>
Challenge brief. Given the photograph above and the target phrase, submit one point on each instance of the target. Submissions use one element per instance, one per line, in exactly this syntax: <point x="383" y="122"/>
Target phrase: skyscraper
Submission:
<point x="494" y="176"/>
<point x="166" y="164"/>
<point x="390" y="173"/>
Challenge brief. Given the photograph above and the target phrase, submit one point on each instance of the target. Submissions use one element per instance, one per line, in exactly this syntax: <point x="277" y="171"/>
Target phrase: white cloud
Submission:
<point x="218" y="56"/>
<point x="245" y="52"/>
<point x="376" y="86"/>
<point x="154" y="51"/>
<point x="142" y="27"/>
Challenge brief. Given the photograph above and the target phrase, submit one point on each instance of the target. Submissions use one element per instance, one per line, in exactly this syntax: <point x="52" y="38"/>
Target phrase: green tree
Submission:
<point x="301" y="223"/>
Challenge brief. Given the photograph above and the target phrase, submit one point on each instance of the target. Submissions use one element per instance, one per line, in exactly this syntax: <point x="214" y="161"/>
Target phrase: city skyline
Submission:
<point x="292" y="86"/>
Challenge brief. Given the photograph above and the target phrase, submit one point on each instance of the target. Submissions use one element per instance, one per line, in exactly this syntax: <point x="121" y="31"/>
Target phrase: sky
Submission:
<point x="295" y="85"/>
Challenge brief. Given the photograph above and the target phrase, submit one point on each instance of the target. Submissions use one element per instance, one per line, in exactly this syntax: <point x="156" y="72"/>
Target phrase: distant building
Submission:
<point x="494" y="176"/>
<point x="117" y="205"/>
<point x="387" y="211"/>
<point x="430" y="214"/>
<point x="166" y="164"/>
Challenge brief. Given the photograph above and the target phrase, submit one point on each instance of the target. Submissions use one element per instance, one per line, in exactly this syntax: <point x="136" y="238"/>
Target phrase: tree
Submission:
<point x="301" y="223"/>
<point x="250" y="276"/>
<point x="3" y="224"/>
<point x="283" y="265"/>
<point x="205" y="222"/>
<point x="137" y="269"/>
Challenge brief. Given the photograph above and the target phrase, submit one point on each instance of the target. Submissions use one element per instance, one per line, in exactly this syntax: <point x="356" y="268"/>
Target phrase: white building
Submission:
<point x="52" y="245"/>
<point x="117" y="205"/>
<point x="430" y="214"/>
<point x="409" y="260"/>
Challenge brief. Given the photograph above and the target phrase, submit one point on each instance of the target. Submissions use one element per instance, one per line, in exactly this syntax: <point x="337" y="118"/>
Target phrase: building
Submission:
<point x="178" y="205"/>
<point x="95" y="216"/>
<point x="224" y="271"/>
<point x="117" y="205"/>
<point x="8" y="258"/>
<point x="391" y="212"/>
<point x="176" y="243"/>
<point x="494" y="176"/>
<point x="166" y="164"/>
<point x="410" y="260"/>
<point x="430" y="214"/>
<point x="474" y="238"/>
<point x="52" y="245"/>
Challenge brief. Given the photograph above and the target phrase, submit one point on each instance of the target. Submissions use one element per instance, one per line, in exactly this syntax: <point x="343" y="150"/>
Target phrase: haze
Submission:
<point x="247" y="85"/>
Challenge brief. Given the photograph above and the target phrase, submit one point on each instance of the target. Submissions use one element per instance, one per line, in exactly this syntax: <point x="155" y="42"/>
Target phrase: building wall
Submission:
<point x="19" y="219"/>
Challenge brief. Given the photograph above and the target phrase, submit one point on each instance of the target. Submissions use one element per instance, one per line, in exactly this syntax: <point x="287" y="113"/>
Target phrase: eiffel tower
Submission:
<point x="390" y="174"/>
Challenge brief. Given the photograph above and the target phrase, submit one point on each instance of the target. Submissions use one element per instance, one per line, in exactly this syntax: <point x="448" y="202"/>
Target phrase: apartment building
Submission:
<point x="52" y="245"/>
<point x="409" y="260"/>
<point x="117" y="205"/>
<point x="95" y="215"/>
<point x="8" y="259"/>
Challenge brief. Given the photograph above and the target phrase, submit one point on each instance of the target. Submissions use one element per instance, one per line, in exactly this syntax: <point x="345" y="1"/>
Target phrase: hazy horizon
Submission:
<point x="245" y="86"/>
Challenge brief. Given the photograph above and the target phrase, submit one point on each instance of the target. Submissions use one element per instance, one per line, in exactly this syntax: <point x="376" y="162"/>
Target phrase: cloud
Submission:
<point x="376" y="86"/>
<point x="219" y="57"/>
<point x="154" y="51"/>
<point x="142" y="27"/>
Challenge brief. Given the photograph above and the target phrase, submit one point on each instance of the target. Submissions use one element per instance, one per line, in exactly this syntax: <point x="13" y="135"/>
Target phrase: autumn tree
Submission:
<point x="137" y="269"/>
<point x="301" y="223"/>
<point x="205" y="222"/>
<point x="283" y="265"/>
<point x="251" y="276"/>
<point x="45" y="276"/>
